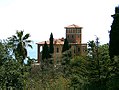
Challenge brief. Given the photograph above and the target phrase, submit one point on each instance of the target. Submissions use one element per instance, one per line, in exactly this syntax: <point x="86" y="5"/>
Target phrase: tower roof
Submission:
<point x="73" y="26"/>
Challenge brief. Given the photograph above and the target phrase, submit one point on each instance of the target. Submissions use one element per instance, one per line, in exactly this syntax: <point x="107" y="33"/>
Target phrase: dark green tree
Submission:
<point x="3" y="53"/>
<point x="19" y="43"/>
<point x="51" y="47"/>
<point x="65" y="46"/>
<point x="92" y="49"/>
<point x="114" y="35"/>
<point x="45" y="52"/>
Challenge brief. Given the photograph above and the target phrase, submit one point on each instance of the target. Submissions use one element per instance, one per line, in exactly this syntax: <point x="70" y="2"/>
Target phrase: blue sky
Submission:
<point x="41" y="17"/>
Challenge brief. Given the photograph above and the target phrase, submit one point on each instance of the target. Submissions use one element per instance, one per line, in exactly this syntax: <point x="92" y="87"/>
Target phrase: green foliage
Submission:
<point x="101" y="71"/>
<point x="114" y="35"/>
<point x="12" y="73"/>
<point x="79" y="73"/>
<point x="3" y="53"/>
<point x="92" y="71"/>
<point x="113" y="83"/>
<point x="43" y="76"/>
<point x="66" y="57"/>
<point x="66" y="61"/>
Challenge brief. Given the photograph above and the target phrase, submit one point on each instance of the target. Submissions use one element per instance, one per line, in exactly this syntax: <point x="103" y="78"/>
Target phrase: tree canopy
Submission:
<point x="51" y="46"/>
<point x="114" y="35"/>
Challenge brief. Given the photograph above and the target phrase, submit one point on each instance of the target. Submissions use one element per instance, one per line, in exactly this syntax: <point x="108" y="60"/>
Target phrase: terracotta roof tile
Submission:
<point x="56" y="41"/>
<point x="73" y="26"/>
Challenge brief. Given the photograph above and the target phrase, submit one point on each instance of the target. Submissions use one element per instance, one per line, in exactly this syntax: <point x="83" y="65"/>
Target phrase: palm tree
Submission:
<point x="19" y="44"/>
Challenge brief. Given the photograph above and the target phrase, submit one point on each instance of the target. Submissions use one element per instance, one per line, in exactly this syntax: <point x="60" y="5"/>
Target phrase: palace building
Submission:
<point x="74" y="37"/>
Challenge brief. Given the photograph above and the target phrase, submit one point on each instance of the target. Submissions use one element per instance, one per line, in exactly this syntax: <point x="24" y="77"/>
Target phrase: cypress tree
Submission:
<point x="51" y="47"/>
<point x="65" y="46"/>
<point x="114" y="35"/>
<point x="45" y="52"/>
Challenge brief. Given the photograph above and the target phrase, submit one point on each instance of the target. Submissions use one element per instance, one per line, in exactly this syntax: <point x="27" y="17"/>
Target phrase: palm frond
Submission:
<point x="26" y="36"/>
<point x="19" y="34"/>
<point x="14" y="37"/>
<point x="30" y="46"/>
<point x="28" y="41"/>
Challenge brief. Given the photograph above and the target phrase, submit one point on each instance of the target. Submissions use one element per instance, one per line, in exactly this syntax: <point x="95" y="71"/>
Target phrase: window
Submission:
<point x="80" y="31"/>
<point x="66" y="31"/>
<point x="71" y="31"/>
<point x="67" y="36"/>
<point x="72" y="36"/>
<point x="57" y="50"/>
<point x="78" y="49"/>
<point x="78" y="36"/>
<point x="76" y="30"/>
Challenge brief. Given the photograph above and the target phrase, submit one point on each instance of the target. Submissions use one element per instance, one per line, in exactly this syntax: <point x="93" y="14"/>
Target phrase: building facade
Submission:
<point x="74" y="37"/>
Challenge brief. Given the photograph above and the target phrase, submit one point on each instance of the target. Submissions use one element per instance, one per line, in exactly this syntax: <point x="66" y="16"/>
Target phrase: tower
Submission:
<point x="74" y="34"/>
